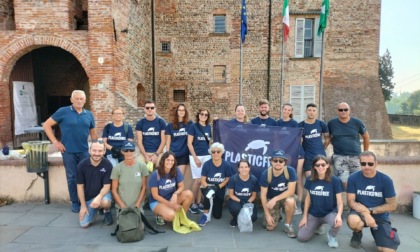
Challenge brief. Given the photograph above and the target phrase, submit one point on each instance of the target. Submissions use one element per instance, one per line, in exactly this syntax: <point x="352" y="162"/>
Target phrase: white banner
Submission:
<point x="24" y="105"/>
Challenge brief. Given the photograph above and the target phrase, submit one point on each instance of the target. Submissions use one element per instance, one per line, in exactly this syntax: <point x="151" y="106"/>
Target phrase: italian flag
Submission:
<point x="286" y="23"/>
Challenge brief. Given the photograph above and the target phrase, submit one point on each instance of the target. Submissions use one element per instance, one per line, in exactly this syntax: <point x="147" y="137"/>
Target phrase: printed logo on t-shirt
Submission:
<point x="217" y="178"/>
<point x="138" y="174"/>
<point x="151" y="132"/>
<point x="314" y="133"/>
<point x="202" y="138"/>
<point x="181" y="132"/>
<point x="280" y="187"/>
<point x="168" y="185"/>
<point x="116" y="136"/>
<point x="102" y="170"/>
<point x="243" y="192"/>
<point x="369" y="191"/>
<point x="319" y="191"/>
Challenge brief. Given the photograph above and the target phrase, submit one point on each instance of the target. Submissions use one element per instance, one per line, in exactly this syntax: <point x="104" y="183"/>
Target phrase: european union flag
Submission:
<point x="244" y="29"/>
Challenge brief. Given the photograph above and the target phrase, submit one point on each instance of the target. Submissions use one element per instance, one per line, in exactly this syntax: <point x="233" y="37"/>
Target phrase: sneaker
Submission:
<point x="203" y="220"/>
<point x="346" y="208"/>
<point x="288" y="228"/>
<point x="75" y="207"/>
<point x="101" y="211"/>
<point x="356" y="239"/>
<point x="234" y="222"/>
<point x="159" y="221"/>
<point x="298" y="211"/>
<point x="332" y="242"/>
<point x="194" y="209"/>
<point x="108" y="218"/>
<point x="320" y="230"/>
<point x="201" y="207"/>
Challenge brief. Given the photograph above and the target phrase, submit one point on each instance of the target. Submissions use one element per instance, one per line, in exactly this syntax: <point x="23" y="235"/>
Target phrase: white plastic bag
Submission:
<point x="244" y="218"/>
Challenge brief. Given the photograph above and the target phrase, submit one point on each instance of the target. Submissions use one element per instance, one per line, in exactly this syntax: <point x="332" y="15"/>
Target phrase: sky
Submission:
<point x="400" y="34"/>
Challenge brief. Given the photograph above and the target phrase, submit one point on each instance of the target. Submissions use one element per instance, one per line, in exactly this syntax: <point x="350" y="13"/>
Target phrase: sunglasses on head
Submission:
<point x="204" y="114"/>
<point x="128" y="150"/>
<point x="278" y="160"/>
<point x="318" y="165"/>
<point x="343" y="109"/>
<point x="367" y="163"/>
<point x="215" y="151"/>
<point x="98" y="141"/>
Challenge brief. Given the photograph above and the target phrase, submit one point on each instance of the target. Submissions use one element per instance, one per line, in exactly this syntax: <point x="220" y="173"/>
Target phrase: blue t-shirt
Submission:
<point x="278" y="184"/>
<point x="264" y="122"/>
<point x="345" y="137"/>
<point x="323" y="196"/>
<point x="292" y="123"/>
<point x="151" y="132"/>
<point x="166" y="186"/>
<point x="216" y="175"/>
<point x="312" y="138"/>
<point x="236" y="121"/>
<point x="75" y="128"/>
<point x="371" y="192"/>
<point x="179" y="138"/>
<point x="93" y="177"/>
<point x="243" y="189"/>
<point x="200" y="145"/>
<point x="116" y="136"/>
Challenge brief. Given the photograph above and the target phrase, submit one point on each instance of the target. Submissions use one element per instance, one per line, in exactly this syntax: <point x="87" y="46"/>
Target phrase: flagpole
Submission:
<point x="321" y="79"/>
<point x="240" y="73"/>
<point x="282" y="76"/>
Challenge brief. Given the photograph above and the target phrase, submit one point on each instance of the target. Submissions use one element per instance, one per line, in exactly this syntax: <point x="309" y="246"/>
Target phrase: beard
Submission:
<point x="264" y="113"/>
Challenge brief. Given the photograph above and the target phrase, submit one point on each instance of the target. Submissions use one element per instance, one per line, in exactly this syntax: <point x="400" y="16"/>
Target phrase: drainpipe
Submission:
<point x="269" y="52"/>
<point x="153" y="51"/>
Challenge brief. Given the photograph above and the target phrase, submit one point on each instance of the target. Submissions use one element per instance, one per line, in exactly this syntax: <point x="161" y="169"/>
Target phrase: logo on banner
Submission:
<point x="258" y="144"/>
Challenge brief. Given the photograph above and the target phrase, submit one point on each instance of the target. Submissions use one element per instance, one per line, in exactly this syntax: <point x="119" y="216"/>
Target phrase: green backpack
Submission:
<point x="130" y="226"/>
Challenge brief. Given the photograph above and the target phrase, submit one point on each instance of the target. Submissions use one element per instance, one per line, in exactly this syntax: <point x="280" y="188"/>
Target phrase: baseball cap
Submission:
<point x="128" y="145"/>
<point x="279" y="154"/>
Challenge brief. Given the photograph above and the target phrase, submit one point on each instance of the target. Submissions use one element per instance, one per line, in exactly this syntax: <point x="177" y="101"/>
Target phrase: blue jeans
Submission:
<point x="89" y="219"/>
<point x="71" y="160"/>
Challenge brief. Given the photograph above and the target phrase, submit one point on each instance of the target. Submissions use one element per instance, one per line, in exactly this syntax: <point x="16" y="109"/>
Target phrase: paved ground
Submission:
<point x="39" y="227"/>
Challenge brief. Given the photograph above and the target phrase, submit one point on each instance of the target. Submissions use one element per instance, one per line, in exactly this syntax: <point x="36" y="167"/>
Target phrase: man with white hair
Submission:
<point x="76" y="124"/>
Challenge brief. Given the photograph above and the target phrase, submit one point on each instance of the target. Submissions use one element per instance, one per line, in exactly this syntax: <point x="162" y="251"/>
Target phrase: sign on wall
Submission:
<point x="24" y="106"/>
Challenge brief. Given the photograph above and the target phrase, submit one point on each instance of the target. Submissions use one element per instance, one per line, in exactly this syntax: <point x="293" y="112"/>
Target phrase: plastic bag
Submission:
<point x="244" y="218"/>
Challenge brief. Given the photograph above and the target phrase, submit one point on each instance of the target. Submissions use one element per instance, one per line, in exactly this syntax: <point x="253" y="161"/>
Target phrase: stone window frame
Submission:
<point x="160" y="52"/>
<point x="300" y="96"/>
<point x="228" y="22"/>
<point x="219" y="74"/>
<point x="300" y="19"/>
<point x="165" y="46"/>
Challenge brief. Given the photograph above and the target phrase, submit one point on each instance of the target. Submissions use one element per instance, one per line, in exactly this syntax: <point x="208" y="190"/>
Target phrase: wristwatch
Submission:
<point x="371" y="210"/>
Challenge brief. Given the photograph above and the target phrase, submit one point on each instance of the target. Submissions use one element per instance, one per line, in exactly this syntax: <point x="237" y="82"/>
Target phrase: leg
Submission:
<point x="185" y="198"/>
<point x="167" y="213"/>
<point x="106" y="206"/>
<point x="234" y="208"/>
<point x="289" y="208"/>
<point x="307" y="167"/>
<point x="70" y="161"/>
<point x="355" y="223"/>
<point x="299" y="188"/>
<point x="275" y="214"/>
<point x="90" y="217"/>
<point x="330" y="220"/>
<point x="386" y="237"/>
<point x="217" y="207"/>
<point x="306" y="232"/>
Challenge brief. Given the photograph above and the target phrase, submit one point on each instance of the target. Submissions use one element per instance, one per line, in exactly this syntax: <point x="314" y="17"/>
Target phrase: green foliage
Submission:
<point x="386" y="74"/>
<point x="404" y="104"/>
<point x="414" y="103"/>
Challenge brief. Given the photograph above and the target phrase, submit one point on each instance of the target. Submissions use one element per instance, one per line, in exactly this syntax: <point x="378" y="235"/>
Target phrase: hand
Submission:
<point x="154" y="158"/>
<point x="361" y="208"/>
<point x="175" y="206"/>
<point x="83" y="211"/>
<point x="370" y="221"/>
<point x="96" y="202"/>
<point x="303" y="222"/>
<point x="270" y="204"/>
<point x="243" y="202"/>
<point x="338" y="221"/>
<point x="217" y="187"/>
<point x="59" y="146"/>
<point x="269" y="220"/>
<point x="138" y="205"/>
<point x="197" y="162"/>
<point x="174" y="198"/>
<point x="115" y="152"/>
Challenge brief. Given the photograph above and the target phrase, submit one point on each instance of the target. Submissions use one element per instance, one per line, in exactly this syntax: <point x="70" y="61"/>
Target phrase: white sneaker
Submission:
<point x="298" y="211"/>
<point x="320" y="230"/>
<point x="332" y="242"/>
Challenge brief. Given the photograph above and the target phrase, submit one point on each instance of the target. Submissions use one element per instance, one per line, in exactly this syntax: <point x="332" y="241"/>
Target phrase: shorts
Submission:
<point x="196" y="171"/>
<point x="183" y="160"/>
<point x="89" y="219"/>
<point x="153" y="205"/>
<point x="307" y="165"/>
<point x="344" y="166"/>
<point x="275" y="212"/>
<point x="384" y="235"/>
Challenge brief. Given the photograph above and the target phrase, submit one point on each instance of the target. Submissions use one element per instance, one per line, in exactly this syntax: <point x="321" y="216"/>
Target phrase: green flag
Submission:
<point x="325" y="9"/>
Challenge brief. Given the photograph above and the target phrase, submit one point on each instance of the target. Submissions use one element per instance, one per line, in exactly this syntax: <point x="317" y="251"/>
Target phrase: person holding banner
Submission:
<point x="240" y="114"/>
<point x="288" y="121"/>
<point x="264" y="119"/>
<point x="278" y="184"/>
<point x="199" y="137"/>
<point x="177" y="135"/>
<point x="214" y="178"/>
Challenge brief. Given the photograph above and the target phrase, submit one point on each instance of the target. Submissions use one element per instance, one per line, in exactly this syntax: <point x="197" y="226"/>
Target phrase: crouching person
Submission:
<point x="94" y="184"/>
<point x="167" y="190"/>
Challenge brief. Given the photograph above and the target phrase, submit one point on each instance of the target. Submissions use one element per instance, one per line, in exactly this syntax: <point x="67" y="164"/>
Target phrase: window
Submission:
<point x="219" y="23"/>
<point x="166" y="46"/>
<point x="219" y="74"/>
<point x="179" y="95"/>
<point x="300" y="96"/>
<point x="307" y="43"/>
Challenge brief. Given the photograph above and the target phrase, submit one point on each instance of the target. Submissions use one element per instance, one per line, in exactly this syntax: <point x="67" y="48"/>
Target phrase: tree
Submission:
<point x="414" y="103"/>
<point x="386" y="74"/>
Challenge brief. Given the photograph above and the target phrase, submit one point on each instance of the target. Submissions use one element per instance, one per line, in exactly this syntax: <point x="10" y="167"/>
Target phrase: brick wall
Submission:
<point x="7" y="20"/>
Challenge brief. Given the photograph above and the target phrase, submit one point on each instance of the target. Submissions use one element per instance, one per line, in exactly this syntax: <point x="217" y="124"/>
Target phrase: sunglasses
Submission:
<point x="149" y="107"/>
<point x="128" y="150"/>
<point x="367" y="163"/>
<point x="318" y="165"/>
<point x="97" y="141"/>
<point x="215" y="151"/>
<point x="343" y="109"/>
<point x="278" y="160"/>
<point x="204" y="114"/>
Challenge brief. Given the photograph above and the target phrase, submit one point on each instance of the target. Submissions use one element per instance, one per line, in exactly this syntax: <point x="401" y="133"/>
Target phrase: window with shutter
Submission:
<point x="219" y="74"/>
<point x="300" y="96"/>
<point x="307" y="42"/>
<point x="219" y="23"/>
<point x="299" y="37"/>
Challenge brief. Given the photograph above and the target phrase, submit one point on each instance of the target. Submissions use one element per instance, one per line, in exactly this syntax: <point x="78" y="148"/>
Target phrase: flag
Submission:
<point x="244" y="29"/>
<point x="286" y="23"/>
<point x="325" y="9"/>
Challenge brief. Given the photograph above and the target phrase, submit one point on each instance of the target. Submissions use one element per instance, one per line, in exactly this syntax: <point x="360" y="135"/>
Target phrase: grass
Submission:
<point x="405" y="132"/>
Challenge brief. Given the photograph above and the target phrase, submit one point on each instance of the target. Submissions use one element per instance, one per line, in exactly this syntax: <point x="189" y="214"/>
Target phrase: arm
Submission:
<point x="269" y="219"/>
<point x="232" y="195"/>
<point x="107" y="146"/>
<point x="115" y="194"/>
<point x="366" y="141"/>
<point x="168" y="142"/>
<point x="224" y="183"/>
<point x="139" y="135"/>
<point x="304" y="219"/>
<point x="83" y="207"/>
<point x="96" y="202"/>
<point x="291" y="186"/>
<point x="192" y="151"/>
<point x="93" y="135"/>
<point x="203" y="181"/>
<point x="340" y="206"/>
<point x="162" y="142"/>
<point x="252" y="198"/>
<point x="48" y="124"/>
<point x="327" y="140"/>
<point x="389" y="206"/>
<point x="142" y="192"/>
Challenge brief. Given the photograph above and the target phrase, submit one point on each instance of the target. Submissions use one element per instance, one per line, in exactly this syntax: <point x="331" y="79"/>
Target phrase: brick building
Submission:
<point x="109" y="47"/>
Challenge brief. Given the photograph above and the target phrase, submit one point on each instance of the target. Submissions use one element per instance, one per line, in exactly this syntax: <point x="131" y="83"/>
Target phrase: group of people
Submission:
<point x="109" y="167"/>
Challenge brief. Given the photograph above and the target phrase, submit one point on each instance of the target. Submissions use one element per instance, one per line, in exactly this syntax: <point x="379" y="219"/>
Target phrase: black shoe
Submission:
<point x="234" y="222"/>
<point x="356" y="239"/>
<point x="101" y="211"/>
<point x="108" y="218"/>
